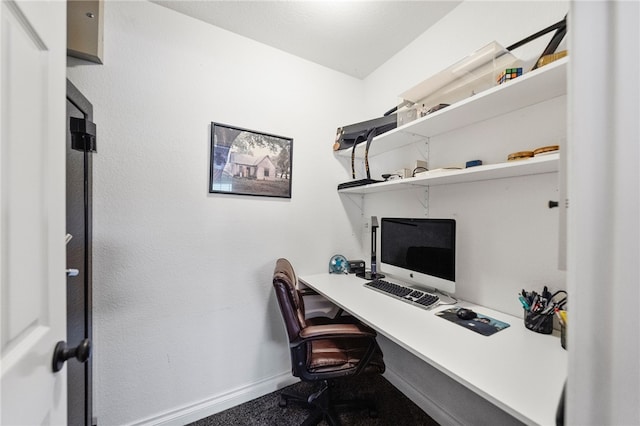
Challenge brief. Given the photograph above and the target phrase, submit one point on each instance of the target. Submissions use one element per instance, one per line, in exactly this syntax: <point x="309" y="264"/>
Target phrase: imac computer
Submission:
<point x="420" y="252"/>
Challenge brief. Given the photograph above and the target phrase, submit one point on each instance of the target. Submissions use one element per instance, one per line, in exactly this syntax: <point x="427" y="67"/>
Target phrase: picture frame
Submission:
<point x="249" y="162"/>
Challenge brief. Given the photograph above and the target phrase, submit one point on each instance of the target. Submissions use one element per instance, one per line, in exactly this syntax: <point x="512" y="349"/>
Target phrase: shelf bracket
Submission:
<point x="425" y="201"/>
<point x="354" y="199"/>
<point x="426" y="151"/>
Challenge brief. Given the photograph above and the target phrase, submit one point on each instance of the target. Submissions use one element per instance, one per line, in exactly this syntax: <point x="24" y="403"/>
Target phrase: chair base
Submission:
<point x="324" y="407"/>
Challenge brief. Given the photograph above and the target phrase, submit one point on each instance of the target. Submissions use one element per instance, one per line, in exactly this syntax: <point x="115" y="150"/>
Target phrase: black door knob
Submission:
<point x="62" y="353"/>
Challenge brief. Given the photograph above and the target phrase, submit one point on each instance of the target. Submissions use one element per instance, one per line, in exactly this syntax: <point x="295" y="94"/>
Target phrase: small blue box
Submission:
<point x="473" y="163"/>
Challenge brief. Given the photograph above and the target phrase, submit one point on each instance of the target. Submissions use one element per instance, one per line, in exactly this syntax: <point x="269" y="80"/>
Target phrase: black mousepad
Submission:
<point x="481" y="324"/>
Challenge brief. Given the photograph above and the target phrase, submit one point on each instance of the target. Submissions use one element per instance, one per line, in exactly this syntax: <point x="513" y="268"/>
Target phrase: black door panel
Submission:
<point x="79" y="287"/>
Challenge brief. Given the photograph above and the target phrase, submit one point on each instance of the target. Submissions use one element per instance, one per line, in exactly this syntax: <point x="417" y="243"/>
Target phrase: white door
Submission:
<point x="32" y="204"/>
<point x="603" y="226"/>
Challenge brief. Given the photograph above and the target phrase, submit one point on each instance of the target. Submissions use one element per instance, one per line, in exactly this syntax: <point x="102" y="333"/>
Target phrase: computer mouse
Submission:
<point x="466" y="314"/>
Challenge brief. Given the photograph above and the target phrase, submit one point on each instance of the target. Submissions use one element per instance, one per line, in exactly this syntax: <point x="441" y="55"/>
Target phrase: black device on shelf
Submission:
<point x="354" y="134"/>
<point x="356" y="266"/>
<point x="366" y="181"/>
<point x="358" y="182"/>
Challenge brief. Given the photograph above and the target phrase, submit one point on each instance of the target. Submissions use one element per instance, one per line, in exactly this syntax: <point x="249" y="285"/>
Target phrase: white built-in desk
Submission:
<point x="520" y="371"/>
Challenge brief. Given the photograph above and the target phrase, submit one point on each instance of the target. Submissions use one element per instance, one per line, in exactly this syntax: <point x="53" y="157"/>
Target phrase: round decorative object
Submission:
<point x="545" y="150"/>
<point x="520" y="155"/>
<point x="338" y="264"/>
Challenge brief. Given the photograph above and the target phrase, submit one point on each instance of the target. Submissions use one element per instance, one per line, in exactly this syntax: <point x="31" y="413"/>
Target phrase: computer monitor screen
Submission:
<point x="419" y="251"/>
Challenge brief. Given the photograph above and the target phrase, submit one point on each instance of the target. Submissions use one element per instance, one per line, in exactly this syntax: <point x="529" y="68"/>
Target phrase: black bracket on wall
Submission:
<point x="83" y="135"/>
<point x="561" y="31"/>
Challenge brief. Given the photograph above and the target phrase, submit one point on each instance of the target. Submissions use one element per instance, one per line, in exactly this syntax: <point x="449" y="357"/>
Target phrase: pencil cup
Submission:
<point x="540" y="323"/>
<point x="563" y="336"/>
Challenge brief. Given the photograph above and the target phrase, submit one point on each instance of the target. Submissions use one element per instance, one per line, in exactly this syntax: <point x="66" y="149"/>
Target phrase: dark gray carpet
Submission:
<point x="393" y="407"/>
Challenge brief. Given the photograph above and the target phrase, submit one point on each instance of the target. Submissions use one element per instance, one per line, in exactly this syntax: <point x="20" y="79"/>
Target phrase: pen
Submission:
<point x="547" y="310"/>
<point x="524" y="303"/>
<point x="534" y="303"/>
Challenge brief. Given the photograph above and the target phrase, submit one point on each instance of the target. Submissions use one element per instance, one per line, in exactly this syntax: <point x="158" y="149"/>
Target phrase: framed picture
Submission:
<point x="246" y="162"/>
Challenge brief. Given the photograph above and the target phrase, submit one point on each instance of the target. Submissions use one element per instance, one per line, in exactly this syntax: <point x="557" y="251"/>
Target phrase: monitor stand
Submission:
<point x="373" y="274"/>
<point x="370" y="275"/>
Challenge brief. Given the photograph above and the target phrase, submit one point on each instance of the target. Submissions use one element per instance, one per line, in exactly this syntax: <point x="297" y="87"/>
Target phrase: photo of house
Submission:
<point x="246" y="162"/>
<point x="247" y="166"/>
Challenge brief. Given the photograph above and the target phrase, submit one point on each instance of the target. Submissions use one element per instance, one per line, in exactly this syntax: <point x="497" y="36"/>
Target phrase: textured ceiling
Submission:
<point x="353" y="37"/>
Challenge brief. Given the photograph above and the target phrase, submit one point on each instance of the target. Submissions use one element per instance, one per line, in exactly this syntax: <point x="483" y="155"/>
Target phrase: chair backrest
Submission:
<point x="291" y="304"/>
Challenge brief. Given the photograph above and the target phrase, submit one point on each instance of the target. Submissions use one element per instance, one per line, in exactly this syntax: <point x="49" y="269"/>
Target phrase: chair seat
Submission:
<point x="341" y="355"/>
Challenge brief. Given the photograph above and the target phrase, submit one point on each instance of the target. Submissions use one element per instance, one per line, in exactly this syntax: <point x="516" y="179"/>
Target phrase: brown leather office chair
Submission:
<point x="323" y="349"/>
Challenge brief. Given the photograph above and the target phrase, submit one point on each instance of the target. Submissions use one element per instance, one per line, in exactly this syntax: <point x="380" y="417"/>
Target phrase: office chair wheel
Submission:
<point x="282" y="403"/>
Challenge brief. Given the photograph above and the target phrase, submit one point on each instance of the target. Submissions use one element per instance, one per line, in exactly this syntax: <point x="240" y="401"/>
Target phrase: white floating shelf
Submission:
<point x="531" y="166"/>
<point x="532" y="88"/>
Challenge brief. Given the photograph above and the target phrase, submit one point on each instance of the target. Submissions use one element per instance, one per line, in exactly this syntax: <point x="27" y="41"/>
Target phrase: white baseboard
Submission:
<point x="199" y="410"/>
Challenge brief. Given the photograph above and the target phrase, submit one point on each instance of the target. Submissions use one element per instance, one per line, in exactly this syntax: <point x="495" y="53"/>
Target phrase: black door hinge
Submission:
<point x="83" y="135"/>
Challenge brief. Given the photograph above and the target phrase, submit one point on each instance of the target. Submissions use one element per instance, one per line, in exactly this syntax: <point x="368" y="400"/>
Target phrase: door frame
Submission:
<point x="75" y="97"/>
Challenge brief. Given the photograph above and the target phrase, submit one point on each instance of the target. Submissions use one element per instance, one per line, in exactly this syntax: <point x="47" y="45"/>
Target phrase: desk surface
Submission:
<point x="520" y="371"/>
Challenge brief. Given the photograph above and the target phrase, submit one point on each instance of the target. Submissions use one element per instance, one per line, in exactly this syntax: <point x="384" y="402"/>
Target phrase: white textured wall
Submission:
<point x="183" y="305"/>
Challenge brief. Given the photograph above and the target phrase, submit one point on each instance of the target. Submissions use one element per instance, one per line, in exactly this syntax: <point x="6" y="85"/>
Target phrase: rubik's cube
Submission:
<point x="509" y="74"/>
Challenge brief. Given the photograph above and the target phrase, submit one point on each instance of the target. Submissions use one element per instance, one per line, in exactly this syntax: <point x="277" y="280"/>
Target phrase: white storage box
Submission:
<point x="473" y="74"/>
